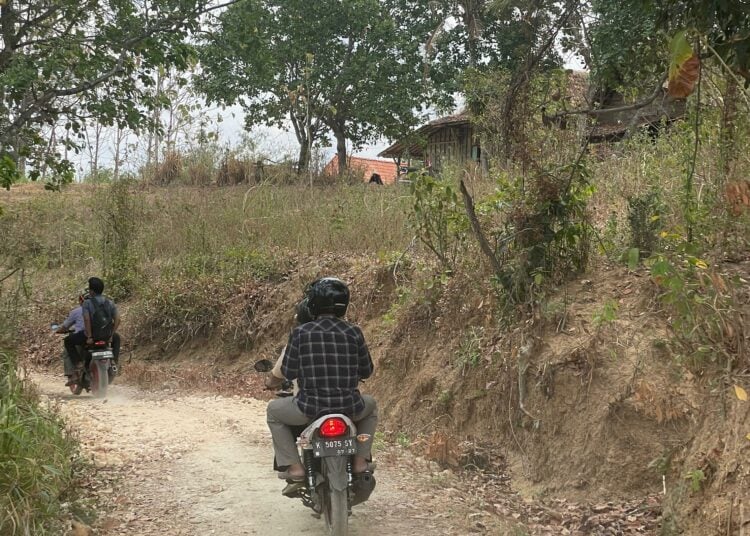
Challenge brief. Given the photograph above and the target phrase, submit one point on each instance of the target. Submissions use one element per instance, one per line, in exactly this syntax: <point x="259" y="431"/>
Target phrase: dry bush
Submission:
<point x="169" y="169"/>
<point x="232" y="171"/>
<point x="181" y="311"/>
<point x="198" y="172"/>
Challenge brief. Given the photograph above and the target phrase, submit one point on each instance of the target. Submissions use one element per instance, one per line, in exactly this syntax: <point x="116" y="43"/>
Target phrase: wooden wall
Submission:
<point x="450" y="144"/>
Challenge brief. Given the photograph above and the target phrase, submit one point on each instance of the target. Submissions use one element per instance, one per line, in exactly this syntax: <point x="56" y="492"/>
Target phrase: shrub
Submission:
<point x="644" y="217"/>
<point x="439" y="218"/>
<point x="36" y="459"/>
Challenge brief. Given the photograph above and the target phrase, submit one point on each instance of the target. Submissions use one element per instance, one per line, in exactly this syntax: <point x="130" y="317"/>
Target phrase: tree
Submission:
<point x="723" y="25"/>
<point x="348" y="68"/>
<point x="69" y="61"/>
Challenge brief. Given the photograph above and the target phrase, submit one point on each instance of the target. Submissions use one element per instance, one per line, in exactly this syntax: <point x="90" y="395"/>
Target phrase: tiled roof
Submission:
<point x="385" y="168"/>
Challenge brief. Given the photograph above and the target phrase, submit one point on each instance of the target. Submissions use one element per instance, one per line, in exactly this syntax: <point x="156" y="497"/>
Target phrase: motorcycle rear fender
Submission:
<point x="336" y="473"/>
<point x="308" y="432"/>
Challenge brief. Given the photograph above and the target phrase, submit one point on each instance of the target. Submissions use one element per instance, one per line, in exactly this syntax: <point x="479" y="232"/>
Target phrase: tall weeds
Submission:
<point x="36" y="459"/>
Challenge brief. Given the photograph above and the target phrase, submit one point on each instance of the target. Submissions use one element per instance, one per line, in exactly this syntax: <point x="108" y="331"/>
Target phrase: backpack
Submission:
<point x="102" y="325"/>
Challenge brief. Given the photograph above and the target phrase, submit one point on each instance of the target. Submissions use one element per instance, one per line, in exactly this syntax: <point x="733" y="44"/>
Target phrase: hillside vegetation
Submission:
<point x="570" y="296"/>
<point x="613" y="367"/>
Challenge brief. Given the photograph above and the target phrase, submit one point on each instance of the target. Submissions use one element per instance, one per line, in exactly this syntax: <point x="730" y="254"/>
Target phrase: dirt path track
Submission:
<point x="175" y="464"/>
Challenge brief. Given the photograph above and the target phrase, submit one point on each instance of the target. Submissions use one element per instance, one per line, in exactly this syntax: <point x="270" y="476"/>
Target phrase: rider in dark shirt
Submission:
<point x="328" y="357"/>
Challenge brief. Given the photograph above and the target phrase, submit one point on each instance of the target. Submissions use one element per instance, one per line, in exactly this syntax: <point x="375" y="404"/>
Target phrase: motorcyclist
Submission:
<point x="97" y="301"/>
<point x="328" y="357"/>
<point x="73" y="326"/>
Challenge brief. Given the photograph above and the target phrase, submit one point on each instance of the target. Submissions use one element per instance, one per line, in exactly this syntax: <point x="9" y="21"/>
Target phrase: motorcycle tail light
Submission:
<point x="333" y="427"/>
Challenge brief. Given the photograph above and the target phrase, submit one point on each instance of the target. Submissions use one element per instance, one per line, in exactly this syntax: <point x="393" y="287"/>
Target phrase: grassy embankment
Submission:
<point x="37" y="454"/>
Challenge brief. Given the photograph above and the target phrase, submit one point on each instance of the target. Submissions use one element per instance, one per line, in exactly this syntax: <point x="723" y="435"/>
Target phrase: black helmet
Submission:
<point x="327" y="296"/>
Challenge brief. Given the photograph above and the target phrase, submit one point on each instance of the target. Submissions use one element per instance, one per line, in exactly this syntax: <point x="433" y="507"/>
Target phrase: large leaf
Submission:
<point x="684" y="67"/>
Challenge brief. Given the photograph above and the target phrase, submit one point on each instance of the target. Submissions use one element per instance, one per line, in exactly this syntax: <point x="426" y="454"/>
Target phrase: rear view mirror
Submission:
<point x="264" y="365"/>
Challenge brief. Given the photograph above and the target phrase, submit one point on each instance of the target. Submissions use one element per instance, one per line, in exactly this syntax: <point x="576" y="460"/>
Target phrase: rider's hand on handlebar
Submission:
<point x="271" y="382"/>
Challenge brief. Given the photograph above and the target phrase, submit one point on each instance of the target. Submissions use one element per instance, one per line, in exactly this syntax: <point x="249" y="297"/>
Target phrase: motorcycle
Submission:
<point x="99" y="368"/>
<point x="330" y="487"/>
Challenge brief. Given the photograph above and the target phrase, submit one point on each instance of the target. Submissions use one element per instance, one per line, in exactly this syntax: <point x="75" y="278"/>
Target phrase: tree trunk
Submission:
<point x="728" y="125"/>
<point x="304" y="156"/>
<point x="341" y="149"/>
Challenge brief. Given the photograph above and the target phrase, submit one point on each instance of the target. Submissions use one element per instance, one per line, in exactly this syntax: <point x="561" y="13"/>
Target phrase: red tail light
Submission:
<point x="100" y="343"/>
<point x="333" y="427"/>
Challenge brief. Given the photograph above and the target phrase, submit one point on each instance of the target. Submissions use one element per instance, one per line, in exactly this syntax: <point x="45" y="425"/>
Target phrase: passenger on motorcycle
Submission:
<point x="328" y="357"/>
<point x="73" y="325"/>
<point x="274" y="378"/>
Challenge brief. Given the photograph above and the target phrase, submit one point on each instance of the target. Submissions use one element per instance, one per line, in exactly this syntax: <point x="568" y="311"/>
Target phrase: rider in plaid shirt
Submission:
<point x="328" y="357"/>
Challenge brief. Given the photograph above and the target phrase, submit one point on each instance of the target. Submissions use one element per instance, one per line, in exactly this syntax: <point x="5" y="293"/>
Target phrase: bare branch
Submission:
<point x="635" y="106"/>
<point x="471" y="213"/>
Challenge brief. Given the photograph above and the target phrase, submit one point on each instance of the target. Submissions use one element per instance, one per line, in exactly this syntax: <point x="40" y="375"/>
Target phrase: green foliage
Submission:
<point x="610" y="239"/>
<point x="8" y="172"/>
<point x="543" y="235"/>
<point x="391" y="316"/>
<point x="469" y="353"/>
<point x="696" y="477"/>
<point x="232" y="264"/>
<point x="403" y="440"/>
<point x="378" y="442"/>
<point x="99" y="176"/>
<point x="119" y="210"/>
<point x="439" y="218"/>
<point x="445" y="398"/>
<point x="705" y="320"/>
<point x="725" y="25"/>
<point x="36" y="459"/>
<point x="626" y="50"/>
<point x="67" y="61"/>
<point x="326" y="66"/>
<point x="606" y="315"/>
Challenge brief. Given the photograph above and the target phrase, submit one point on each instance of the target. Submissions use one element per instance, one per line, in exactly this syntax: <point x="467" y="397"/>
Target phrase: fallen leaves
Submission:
<point x="740" y="393"/>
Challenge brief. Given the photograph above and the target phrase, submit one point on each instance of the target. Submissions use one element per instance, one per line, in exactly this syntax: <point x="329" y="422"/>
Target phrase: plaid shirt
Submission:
<point x="328" y="357"/>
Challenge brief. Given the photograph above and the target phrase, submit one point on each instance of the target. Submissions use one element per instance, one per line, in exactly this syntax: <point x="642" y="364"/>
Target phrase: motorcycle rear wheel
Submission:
<point x="99" y="378"/>
<point x="336" y="512"/>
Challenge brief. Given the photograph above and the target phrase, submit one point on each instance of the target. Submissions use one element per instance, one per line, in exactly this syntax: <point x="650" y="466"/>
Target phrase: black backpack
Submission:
<point x="102" y="323"/>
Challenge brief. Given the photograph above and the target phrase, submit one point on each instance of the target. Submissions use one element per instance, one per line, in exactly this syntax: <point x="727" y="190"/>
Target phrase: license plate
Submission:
<point x="323" y="448"/>
<point x="105" y="354"/>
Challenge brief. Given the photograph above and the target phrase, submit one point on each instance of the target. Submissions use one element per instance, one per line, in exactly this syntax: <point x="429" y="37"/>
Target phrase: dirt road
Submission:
<point x="176" y="464"/>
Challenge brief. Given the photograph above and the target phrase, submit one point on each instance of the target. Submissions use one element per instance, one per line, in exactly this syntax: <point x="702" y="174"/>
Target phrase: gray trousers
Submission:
<point x="283" y="413"/>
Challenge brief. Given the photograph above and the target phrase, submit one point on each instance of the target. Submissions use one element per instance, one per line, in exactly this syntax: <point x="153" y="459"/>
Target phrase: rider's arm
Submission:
<point x="115" y="316"/>
<point x="275" y="378"/>
<point x="364" y="361"/>
<point x="290" y="359"/>
<point x="65" y="326"/>
<point x="276" y="370"/>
